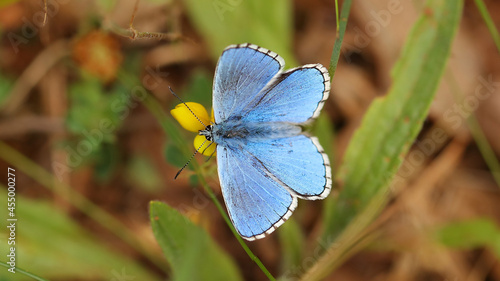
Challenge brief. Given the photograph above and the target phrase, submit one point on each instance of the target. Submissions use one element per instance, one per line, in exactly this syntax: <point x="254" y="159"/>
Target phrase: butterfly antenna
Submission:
<point x="190" y="158"/>
<point x="175" y="95"/>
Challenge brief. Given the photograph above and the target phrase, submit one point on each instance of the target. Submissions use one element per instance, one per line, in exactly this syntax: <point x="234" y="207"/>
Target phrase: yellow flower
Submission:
<point x="189" y="122"/>
<point x="207" y="149"/>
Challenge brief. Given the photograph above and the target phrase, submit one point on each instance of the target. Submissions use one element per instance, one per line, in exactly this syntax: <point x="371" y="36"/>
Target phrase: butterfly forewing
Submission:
<point x="296" y="96"/>
<point x="242" y="72"/>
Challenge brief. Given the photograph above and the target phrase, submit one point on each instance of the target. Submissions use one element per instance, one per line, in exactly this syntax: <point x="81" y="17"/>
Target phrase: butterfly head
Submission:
<point x="207" y="133"/>
<point x="193" y="117"/>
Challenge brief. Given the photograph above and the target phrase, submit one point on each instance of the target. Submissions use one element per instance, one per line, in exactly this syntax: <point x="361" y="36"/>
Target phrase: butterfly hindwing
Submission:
<point x="242" y="72"/>
<point x="257" y="204"/>
<point x="298" y="162"/>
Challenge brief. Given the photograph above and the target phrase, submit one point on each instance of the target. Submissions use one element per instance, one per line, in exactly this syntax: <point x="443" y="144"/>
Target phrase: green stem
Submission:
<point x="337" y="15"/>
<point x="476" y="132"/>
<point x="230" y="224"/>
<point x="484" y="148"/>
<point x="478" y="135"/>
<point x="46" y="179"/>
<point x="489" y="22"/>
<point x="23" y="272"/>
<point x="344" y="15"/>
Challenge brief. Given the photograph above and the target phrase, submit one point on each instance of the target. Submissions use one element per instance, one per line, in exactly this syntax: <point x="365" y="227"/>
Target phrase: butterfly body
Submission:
<point x="265" y="160"/>
<point x="229" y="133"/>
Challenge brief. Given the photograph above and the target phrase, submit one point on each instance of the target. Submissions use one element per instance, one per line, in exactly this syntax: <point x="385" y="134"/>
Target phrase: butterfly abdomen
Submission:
<point x="253" y="132"/>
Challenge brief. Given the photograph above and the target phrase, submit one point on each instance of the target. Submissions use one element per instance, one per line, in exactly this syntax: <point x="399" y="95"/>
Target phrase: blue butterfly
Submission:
<point x="265" y="161"/>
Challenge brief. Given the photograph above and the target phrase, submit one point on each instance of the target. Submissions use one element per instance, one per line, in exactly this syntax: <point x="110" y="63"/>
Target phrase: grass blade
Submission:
<point x="387" y="131"/>
<point x="392" y="122"/>
<point x="489" y="22"/>
<point x="344" y="15"/>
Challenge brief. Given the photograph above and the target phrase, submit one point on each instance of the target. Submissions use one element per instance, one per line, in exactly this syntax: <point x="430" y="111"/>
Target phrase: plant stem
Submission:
<point x="337" y="15"/>
<point x="24" y="272"/>
<point x="478" y="135"/>
<point x="489" y="22"/>
<point x="344" y="15"/>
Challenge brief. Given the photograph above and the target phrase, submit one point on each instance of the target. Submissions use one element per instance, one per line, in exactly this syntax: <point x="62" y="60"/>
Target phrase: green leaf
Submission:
<point x="5" y="87"/>
<point x="469" y="234"/>
<point x="143" y="174"/>
<point x="93" y="118"/>
<point x="392" y="122"/>
<point x="194" y="180"/>
<point x="192" y="254"/>
<point x="174" y="156"/>
<point x="225" y="22"/>
<point x="91" y="108"/>
<point x="50" y="245"/>
<point x="106" y="162"/>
